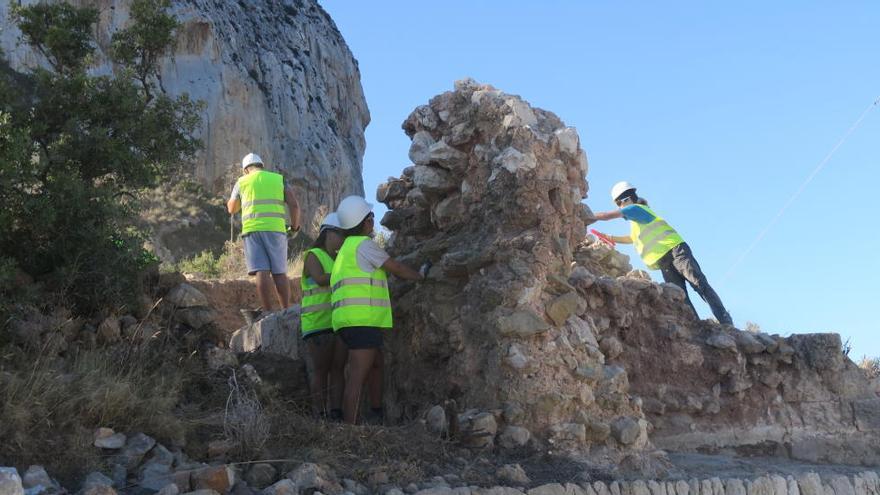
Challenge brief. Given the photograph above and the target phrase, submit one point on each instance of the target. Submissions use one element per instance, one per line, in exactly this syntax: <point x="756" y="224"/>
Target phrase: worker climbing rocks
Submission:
<point x="261" y="196"/>
<point x="316" y="321"/>
<point x="362" y="304"/>
<point x="661" y="247"/>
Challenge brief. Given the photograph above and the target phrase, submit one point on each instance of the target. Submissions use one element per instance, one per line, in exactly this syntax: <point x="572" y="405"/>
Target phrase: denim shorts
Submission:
<point x="266" y="252"/>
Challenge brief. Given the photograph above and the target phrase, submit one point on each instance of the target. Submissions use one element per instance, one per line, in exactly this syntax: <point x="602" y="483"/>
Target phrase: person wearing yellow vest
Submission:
<point x="316" y="321"/>
<point x="362" y="304"/>
<point x="262" y="196"/>
<point x="661" y="247"/>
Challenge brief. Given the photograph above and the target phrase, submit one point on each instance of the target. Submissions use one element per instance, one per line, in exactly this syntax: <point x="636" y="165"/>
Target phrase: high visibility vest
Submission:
<point x="654" y="239"/>
<point x="262" y="202"/>
<point x="360" y="299"/>
<point x="316" y="309"/>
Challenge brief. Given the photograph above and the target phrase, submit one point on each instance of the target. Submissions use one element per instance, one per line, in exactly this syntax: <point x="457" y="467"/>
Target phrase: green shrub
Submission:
<point x="204" y="263"/>
<point x="75" y="149"/>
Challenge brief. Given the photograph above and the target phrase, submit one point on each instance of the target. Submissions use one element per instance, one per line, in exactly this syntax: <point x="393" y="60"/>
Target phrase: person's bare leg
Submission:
<point x="374" y="380"/>
<point x="321" y="350"/>
<point x="265" y="290"/>
<point x="337" y="373"/>
<point x="282" y="285"/>
<point x="360" y="361"/>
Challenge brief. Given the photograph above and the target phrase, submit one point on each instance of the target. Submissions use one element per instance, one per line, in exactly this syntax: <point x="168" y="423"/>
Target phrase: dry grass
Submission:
<point x="51" y="407"/>
<point x="244" y="421"/>
<point x="871" y="366"/>
<point x="231" y="263"/>
<point x="405" y="453"/>
<point x="295" y="265"/>
<point x="753" y="327"/>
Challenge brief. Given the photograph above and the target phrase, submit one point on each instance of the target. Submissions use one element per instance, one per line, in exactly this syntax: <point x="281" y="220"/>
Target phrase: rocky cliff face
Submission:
<point x="277" y="79"/>
<point x="526" y="316"/>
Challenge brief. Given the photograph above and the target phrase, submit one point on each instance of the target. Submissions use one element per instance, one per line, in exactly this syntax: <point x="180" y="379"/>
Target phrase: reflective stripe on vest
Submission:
<point x="316" y="312"/>
<point x="262" y="202"/>
<point x="360" y="299"/>
<point x="361" y="281"/>
<point x="319" y="290"/>
<point x="653" y="240"/>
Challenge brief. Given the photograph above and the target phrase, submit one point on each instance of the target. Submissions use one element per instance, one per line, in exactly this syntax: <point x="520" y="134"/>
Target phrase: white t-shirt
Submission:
<point x="370" y="256"/>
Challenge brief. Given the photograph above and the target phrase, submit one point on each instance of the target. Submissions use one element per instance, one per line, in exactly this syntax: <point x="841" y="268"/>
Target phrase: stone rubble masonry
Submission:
<point x="189" y="306"/>
<point x="524" y="310"/>
<point x="311" y="477"/>
<point x="493" y="200"/>
<point x="865" y="483"/>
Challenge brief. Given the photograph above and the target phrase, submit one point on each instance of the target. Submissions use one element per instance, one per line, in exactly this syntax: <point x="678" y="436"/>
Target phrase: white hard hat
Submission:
<point x="352" y="210"/>
<point x="331" y="221"/>
<point x="620" y="188"/>
<point x="251" y="159"/>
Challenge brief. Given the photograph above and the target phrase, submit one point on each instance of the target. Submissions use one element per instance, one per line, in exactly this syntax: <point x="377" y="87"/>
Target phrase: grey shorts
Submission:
<point x="266" y="251"/>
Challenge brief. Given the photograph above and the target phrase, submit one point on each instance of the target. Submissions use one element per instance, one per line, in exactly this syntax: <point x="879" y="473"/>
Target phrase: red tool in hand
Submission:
<point x="604" y="238"/>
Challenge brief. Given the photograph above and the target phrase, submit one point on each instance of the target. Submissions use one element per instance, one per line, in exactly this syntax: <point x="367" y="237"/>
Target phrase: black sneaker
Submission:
<point x="375" y="416"/>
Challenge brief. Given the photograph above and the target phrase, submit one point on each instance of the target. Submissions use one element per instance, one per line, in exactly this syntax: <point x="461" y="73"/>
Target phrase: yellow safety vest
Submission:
<point x="316" y="309"/>
<point x="653" y="240"/>
<point x="262" y="202"/>
<point x="360" y="299"/>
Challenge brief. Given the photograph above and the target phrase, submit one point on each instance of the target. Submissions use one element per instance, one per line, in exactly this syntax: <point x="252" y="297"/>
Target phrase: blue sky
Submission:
<point x="718" y="111"/>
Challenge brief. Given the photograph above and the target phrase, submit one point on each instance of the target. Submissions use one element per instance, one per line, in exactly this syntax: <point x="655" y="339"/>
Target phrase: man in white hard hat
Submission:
<point x="661" y="247"/>
<point x="262" y="196"/>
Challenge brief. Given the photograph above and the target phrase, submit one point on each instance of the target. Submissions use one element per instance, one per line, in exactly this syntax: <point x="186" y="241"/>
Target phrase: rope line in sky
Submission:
<point x="799" y="190"/>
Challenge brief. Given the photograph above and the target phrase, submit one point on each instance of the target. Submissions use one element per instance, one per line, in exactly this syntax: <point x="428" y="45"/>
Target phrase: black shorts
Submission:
<point x="361" y="337"/>
<point x="321" y="337"/>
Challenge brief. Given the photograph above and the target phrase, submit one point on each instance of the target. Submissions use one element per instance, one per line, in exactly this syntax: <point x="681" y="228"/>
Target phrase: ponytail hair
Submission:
<point x="321" y="241"/>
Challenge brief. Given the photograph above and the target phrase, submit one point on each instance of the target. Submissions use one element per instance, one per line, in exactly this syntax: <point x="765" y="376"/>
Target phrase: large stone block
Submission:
<point x="277" y="333"/>
<point x="10" y="482"/>
<point x="522" y="324"/>
<point x="810" y="484"/>
<point x="186" y="296"/>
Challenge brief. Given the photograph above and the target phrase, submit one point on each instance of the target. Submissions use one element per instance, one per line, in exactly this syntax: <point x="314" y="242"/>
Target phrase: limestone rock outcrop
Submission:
<point x="277" y="79"/>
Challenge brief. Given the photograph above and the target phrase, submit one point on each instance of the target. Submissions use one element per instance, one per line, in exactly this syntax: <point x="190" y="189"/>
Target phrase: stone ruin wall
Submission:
<point x="552" y="334"/>
<point x="493" y="200"/>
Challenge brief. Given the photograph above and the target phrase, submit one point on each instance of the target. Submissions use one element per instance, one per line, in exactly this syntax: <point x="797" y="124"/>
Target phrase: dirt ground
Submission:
<point x="724" y="466"/>
<point x="228" y="297"/>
